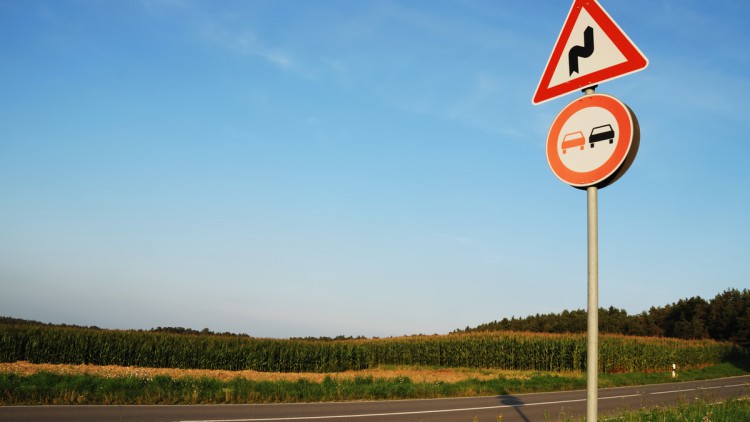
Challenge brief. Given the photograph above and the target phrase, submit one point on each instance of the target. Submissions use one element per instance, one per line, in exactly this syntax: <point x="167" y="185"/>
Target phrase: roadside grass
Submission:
<point x="721" y="370"/>
<point x="701" y="410"/>
<point x="52" y="388"/>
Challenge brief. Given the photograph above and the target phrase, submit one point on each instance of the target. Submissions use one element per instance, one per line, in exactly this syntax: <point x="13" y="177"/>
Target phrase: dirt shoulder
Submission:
<point x="448" y="375"/>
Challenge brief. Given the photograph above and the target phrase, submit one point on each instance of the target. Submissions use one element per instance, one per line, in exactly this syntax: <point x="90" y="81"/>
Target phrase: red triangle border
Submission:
<point x="634" y="59"/>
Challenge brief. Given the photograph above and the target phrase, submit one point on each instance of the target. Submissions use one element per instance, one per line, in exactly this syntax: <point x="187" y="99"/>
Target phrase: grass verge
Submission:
<point x="53" y="388"/>
<point x="735" y="409"/>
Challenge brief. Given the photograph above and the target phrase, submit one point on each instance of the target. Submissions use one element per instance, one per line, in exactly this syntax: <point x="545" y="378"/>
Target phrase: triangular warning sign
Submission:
<point x="590" y="49"/>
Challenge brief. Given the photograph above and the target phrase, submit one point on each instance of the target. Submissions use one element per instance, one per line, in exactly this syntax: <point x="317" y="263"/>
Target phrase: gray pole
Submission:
<point x="592" y="349"/>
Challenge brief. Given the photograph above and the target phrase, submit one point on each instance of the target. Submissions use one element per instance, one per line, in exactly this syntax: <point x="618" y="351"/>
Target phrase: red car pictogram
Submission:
<point x="572" y="140"/>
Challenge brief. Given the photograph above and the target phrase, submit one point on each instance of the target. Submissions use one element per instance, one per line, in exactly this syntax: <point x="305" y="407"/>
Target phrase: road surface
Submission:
<point x="521" y="407"/>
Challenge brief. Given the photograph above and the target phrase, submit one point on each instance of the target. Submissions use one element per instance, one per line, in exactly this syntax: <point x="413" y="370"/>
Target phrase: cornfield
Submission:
<point x="508" y="350"/>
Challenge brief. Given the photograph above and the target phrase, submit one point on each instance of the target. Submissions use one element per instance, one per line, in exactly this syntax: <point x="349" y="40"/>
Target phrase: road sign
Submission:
<point x="593" y="141"/>
<point x="590" y="49"/>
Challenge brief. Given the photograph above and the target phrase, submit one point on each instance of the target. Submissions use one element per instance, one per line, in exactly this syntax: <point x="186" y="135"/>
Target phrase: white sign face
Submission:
<point x="593" y="141"/>
<point x="593" y="154"/>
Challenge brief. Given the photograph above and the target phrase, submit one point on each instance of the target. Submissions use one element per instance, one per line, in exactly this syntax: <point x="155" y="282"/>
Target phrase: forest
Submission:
<point x="726" y="317"/>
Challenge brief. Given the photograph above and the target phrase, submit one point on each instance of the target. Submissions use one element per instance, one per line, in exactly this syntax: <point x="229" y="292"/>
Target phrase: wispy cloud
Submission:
<point x="161" y="5"/>
<point x="480" y="106"/>
<point x="220" y="29"/>
<point x="480" y="102"/>
<point x="246" y="42"/>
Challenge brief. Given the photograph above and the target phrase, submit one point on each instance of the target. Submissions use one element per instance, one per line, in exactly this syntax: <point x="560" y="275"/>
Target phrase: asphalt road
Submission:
<point x="521" y="407"/>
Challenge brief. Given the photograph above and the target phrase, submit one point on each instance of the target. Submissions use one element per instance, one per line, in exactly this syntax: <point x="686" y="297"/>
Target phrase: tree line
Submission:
<point x="726" y="317"/>
<point x="168" y="330"/>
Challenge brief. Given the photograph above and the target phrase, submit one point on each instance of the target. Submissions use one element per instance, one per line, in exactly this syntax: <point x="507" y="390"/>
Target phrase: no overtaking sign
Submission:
<point x="593" y="141"/>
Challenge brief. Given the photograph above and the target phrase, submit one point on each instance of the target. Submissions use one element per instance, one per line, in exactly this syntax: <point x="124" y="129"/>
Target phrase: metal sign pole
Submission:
<point x="567" y="132"/>
<point x="592" y="350"/>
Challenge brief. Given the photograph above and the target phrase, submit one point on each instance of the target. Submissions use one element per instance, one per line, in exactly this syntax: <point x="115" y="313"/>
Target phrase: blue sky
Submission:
<point x="316" y="168"/>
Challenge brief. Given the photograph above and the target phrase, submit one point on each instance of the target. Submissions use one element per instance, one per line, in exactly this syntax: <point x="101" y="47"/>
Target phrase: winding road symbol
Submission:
<point x="584" y="51"/>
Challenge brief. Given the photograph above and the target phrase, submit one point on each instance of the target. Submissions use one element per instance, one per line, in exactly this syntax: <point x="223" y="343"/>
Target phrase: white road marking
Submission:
<point x="673" y="391"/>
<point x="732" y="385"/>
<point x="423" y="412"/>
<point x="419" y="412"/>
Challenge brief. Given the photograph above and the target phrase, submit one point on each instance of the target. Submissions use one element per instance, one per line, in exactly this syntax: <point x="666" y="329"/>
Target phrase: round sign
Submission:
<point x="593" y="141"/>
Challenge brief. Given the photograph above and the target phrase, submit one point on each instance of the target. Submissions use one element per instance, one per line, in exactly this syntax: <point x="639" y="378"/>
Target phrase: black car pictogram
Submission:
<point x="602" y="133"/>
